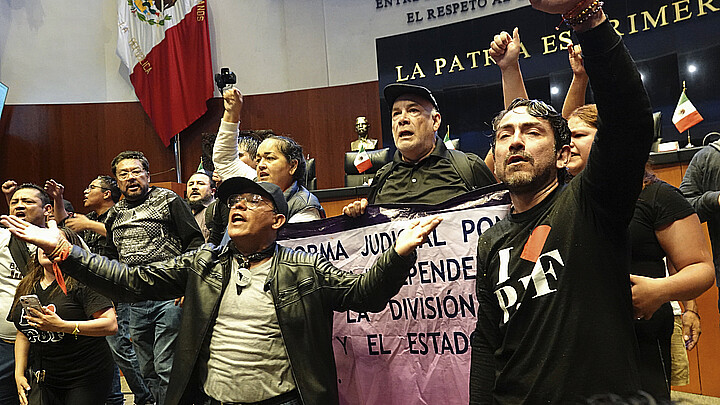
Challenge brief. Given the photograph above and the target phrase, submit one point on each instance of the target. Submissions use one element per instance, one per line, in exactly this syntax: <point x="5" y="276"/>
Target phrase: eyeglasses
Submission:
<point x="252" y="201"/>
<point x="124" y="175"/>
<point x="92" y="186"/>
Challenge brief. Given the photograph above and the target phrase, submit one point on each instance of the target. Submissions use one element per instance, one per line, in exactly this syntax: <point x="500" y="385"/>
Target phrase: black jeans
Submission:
<point x="91" y="394"/>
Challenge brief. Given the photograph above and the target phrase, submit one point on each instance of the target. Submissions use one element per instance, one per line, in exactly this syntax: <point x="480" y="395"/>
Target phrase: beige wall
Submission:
<point x="64" y="51"/>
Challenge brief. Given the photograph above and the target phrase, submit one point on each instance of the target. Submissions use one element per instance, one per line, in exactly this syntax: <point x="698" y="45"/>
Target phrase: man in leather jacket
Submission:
<point x="244" y="339"/>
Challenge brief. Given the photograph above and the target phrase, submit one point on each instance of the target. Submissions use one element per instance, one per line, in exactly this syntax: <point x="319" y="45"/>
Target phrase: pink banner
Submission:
<point x="417" y="350"/>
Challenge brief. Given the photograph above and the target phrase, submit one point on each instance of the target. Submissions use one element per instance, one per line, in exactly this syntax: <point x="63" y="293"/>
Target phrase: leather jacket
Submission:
<point x="306" y="289"/>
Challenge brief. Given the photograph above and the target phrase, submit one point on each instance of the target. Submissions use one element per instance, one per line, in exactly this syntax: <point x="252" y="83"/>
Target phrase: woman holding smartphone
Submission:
<point x="60" y="351"/>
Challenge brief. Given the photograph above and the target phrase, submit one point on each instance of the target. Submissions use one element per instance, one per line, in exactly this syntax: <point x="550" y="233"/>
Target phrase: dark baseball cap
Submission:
<point x="239" y="185"/>
<point x="394" y="90"/>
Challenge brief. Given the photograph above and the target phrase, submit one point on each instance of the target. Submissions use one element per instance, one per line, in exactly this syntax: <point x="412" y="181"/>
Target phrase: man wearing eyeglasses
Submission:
<point x="101" y="195"/>
<point x="257" y="322"/>
<point x="150" y="224"/>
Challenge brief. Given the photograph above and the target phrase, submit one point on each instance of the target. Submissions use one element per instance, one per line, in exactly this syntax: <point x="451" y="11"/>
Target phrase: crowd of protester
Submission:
<point x="195" y="302"/>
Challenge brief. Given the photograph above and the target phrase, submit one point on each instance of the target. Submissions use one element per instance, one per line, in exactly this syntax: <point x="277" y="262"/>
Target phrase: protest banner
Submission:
<point x="417" y="350"/>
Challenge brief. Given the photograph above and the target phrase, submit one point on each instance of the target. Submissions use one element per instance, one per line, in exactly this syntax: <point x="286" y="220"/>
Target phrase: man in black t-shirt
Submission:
<point x="555" y="317"/>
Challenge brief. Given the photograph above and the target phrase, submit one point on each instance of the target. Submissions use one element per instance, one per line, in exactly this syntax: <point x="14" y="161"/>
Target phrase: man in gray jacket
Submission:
<point x="701" y="187"/>
<point x="257" y="319"/>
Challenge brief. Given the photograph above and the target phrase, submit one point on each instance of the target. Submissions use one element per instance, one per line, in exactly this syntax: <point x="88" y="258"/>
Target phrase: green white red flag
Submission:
<point x="686" y="115"/>
<point x="166" y="48"/>
<point x="448" y="143"/>
<point x="362" y="160"/>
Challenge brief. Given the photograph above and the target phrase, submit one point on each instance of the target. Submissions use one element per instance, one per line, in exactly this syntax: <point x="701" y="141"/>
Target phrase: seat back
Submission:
<point x="310" y="178"/>
<point x="378" y="158"/>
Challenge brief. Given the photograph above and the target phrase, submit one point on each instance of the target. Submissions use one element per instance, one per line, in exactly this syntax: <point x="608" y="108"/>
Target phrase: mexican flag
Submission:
<point x="685" y="115"/>
<point x="448" y="143"/>
<point x="166" y="48"/>
<point x="362" y="160"/>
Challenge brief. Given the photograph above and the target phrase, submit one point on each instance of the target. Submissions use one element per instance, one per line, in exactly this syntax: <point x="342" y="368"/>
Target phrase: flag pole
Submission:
<point x="689" y="142"/>
<point x="176" y="150"/>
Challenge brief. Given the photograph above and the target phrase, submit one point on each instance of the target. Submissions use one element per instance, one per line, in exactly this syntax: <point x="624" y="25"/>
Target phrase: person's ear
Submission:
<point x="563" y="157"/>
<point x="293" y="166"/>
<point x="437" y="118"/>
<point x="279" y="221"/>
<point x="107" y="195"/>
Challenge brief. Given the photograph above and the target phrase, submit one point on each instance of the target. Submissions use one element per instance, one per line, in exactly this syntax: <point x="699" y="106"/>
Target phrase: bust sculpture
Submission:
<point x="361" y="127"/>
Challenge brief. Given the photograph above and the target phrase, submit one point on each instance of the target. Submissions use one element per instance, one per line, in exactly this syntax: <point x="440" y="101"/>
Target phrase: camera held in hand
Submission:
<point x="225" y="79"/>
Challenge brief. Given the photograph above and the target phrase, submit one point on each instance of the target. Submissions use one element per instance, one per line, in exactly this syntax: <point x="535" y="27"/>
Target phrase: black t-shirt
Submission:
<point x="659" y="204"/>
<point x="67" y="361"/>
<point x="555" y="311"/>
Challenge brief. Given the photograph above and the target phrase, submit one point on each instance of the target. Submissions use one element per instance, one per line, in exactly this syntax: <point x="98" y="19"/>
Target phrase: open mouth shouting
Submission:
<point x="237" y="218"/>
<point x="133" y="188"/>
<point x="405" y="134"/>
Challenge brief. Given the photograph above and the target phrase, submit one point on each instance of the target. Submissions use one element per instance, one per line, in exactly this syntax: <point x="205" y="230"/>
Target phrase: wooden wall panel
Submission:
<point x="321" y="120"/>
<point x="74" y="143"/>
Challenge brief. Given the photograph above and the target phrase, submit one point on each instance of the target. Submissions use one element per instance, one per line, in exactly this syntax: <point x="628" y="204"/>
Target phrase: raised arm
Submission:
<point x="8" y="188"/>
<point x="225" y="151"/>
<point x="575" y="96"/>
<point x="625" y="126"/>
<point x="56" y="190"/>
<point x="505" y="51"/>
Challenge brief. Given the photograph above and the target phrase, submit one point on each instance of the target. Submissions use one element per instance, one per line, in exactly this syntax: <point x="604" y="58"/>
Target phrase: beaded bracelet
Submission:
<point x="574" y="9"/>
<point x="584" y="15"/>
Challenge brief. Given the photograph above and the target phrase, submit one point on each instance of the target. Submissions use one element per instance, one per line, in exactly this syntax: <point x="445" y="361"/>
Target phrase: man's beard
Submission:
<point x="197" y="205"/>
<point x="520" y="182"/>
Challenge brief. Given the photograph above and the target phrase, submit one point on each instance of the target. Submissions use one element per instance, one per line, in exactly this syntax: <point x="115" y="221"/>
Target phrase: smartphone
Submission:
<point x="31" y="301"/>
